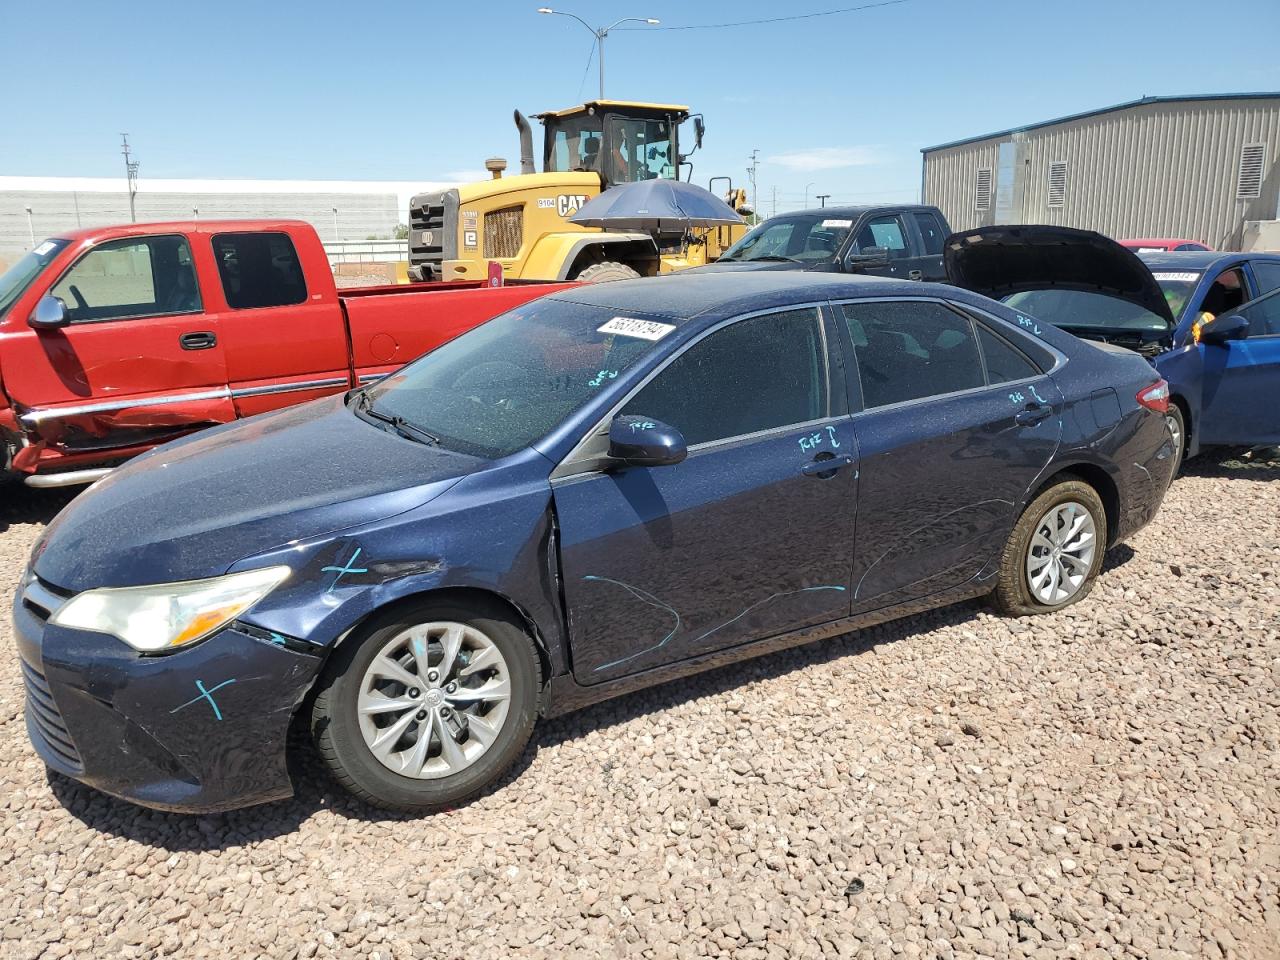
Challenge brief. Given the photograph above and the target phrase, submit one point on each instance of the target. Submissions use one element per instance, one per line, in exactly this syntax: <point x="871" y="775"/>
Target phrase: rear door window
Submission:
<point x="131" y="278"/>
<point x="911" y="349"/>
<point x="259" y="270"/>
<point x="930" y="233"/>
<point x="754" y="375"/>
<point x="1267" y="275"/>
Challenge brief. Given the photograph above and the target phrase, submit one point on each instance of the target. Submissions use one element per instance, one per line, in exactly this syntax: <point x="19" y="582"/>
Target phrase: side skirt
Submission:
<point x="564" y="694"/>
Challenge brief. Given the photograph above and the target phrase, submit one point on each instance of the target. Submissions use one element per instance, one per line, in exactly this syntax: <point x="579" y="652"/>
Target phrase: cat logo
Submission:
<point x="567" y="204"/>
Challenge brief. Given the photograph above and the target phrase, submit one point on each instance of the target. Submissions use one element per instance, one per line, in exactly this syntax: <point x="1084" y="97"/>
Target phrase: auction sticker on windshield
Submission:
<point x="1176" y="277"/>
<point x="631" y="327"/>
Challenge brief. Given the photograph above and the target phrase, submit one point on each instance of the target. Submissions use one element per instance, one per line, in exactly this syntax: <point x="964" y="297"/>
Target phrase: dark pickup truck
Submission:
<point x="903" y="241"/>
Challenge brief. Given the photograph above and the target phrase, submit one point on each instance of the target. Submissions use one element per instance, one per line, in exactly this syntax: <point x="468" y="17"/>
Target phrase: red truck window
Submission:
<point x="129" y="278"/>
<point x="259" y="270"/>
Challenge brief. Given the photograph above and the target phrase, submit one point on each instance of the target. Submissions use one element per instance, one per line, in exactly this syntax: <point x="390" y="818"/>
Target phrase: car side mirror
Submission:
<point x="1229" y="326"/>
<point x="869" y="257"/>
<point x="643" y="442"/>
<point x="49" y="314"/>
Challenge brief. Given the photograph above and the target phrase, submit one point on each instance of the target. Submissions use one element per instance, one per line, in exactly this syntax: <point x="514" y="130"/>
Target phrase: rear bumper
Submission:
<point x="1146" y="479"/>
<point x="197" y="731"/>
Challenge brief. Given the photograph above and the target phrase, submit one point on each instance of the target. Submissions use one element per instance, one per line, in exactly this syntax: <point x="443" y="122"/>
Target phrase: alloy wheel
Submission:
<point x="1060" y="555"/>
<point x="434" y="699"/>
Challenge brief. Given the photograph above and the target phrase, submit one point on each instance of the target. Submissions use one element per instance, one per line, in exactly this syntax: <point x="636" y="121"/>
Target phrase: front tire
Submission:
<point x="427" y="706"/>
<point x="1177" y="426"/>
<point x="604" y="271"/>
<point x="1054" y="552"/>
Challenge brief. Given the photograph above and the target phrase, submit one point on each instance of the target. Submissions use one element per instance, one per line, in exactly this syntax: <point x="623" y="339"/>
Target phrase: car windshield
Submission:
<point x="1084" y="309"/>
<point x="506" y="384"/>
<point x="1177" y="287"/>
<point x="15" y="280"/>
<point x="806" y="238"/>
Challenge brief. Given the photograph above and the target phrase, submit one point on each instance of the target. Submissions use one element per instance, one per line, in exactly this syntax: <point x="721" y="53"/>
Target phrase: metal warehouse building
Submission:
<point x="1197" y="167"/>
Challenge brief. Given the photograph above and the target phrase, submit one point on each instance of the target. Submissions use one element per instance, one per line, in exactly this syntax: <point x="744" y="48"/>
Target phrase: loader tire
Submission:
<point x="606" y="270"/>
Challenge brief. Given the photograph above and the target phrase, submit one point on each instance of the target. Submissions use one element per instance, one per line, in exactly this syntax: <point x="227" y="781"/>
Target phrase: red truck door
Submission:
<point x="139" y="361"/>
<point x="281" y="325"/>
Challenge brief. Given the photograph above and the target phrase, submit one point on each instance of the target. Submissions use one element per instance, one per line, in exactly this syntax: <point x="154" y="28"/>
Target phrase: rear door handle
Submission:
<point x="915" y="274"/>
<point x="199" y="340"/>
<point x="1033" y="414"/>
<point x="824" y="466"/>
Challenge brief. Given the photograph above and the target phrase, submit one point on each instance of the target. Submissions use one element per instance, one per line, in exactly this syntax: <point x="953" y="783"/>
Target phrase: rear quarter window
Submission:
<point x="259" y="270"/>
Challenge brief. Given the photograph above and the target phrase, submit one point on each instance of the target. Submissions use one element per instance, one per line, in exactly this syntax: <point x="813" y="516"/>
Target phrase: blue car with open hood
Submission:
<point x="598" y="491"/>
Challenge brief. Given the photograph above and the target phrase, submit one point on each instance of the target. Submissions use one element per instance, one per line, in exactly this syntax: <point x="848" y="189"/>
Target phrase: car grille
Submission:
<point x="503" y="231"/>
<point x="46" y="719"/>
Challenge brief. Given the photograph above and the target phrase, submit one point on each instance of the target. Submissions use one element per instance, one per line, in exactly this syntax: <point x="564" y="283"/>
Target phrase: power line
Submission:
<point x="798" y="16"/>
<point x="587" y="69"/>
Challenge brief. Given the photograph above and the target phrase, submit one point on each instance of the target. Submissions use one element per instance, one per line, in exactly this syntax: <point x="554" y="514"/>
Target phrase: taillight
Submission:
<point x="1155" y="397"/>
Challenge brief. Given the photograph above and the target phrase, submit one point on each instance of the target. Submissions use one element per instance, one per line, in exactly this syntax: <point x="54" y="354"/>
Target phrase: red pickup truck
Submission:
<point x="115" y="339"/>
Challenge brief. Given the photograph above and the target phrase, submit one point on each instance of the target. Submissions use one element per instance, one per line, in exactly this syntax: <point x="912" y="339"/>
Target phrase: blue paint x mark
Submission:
<point x="348" y="567"/>
<point x="645" y="597"/>
<point x="276" y="638"/>
<point x="206" y="695"/>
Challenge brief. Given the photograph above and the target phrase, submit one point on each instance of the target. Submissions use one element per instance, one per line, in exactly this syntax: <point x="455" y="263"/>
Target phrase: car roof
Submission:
<point x="1199" y="259"/>
<point x="705" y="298"/>
<point x="852" y="213"/>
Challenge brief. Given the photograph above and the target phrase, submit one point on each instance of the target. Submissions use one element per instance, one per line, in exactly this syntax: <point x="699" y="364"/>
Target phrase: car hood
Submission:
<point x="191" y="509"/>
<point x="1000" y="261"/>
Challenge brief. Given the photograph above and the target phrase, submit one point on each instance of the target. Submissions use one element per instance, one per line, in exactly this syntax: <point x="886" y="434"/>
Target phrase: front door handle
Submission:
<point x="199" y="340"/>
<point x="915" y="274"/>
<point x="1032" y="414"/>
<point x="825" y="465"/>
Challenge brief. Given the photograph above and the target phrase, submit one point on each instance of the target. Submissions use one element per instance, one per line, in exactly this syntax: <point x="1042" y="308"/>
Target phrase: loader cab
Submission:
<point x="624" y="142"/>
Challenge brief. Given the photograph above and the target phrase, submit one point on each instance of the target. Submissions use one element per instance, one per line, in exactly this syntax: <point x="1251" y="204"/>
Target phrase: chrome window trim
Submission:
<point x="575" y="463"/>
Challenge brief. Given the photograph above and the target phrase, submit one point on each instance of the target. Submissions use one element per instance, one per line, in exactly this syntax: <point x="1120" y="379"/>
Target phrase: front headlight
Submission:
<point x="168" y="615"/>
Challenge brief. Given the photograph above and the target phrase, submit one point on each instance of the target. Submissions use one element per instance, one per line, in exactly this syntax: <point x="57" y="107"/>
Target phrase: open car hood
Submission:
<point x="1003" y="260"/>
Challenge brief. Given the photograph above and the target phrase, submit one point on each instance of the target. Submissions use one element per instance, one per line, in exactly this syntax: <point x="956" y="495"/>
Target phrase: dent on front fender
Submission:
<point x="467" y="540"/>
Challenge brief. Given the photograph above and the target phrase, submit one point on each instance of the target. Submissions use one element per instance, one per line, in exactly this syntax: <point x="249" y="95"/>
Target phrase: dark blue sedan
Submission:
<point x="598" y="491"/>
<point x="1208" y="321"/>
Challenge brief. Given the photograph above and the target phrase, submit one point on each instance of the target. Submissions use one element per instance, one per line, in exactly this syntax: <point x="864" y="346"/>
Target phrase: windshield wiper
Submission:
<point x="364" y="404"/>
<point x="772" y="256"/>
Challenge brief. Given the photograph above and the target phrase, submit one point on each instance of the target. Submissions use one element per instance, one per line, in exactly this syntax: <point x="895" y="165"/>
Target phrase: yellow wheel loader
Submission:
<point x="522" y="221"/>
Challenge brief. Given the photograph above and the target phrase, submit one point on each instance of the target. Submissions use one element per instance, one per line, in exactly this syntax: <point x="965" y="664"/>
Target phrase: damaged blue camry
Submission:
<point x="598" y="491"/>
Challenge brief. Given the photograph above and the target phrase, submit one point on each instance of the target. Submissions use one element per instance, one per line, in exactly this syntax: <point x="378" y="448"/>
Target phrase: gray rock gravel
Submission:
<point x="1099" y="783"/>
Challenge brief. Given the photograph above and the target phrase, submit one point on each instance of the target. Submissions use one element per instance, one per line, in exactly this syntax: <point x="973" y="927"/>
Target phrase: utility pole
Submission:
<point x="775" y="201"/>
<point x="31" y="230"/>
<point x="822" y="198"/>
<point x="335" y="223"/>
<point x="751" y="172"/>
<point x="131" y="175"/>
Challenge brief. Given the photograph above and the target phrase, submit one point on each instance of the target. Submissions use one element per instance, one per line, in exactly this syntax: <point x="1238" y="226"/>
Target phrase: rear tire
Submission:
<point x="354" y="713"/>
<point x="1054" y="553"/>
<point x="604" y="271"/>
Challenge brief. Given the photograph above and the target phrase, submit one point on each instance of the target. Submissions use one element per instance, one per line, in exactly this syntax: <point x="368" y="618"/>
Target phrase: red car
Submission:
<point x="116" y="339"/>
<point x="1163" y="245"/>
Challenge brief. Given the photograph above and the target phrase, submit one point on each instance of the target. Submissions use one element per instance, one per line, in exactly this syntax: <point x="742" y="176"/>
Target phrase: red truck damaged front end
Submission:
<point x="116" y="339"/>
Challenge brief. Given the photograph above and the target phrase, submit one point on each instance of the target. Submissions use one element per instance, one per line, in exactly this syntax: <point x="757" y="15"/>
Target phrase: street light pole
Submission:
<point x="31" y="230"/>
<point x="600" y="33"/>
<point x="335" y="222"/>
<point x="806" y="194"/>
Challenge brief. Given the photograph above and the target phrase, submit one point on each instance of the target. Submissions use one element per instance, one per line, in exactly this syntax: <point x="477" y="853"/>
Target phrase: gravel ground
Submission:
<point x="1102" y="782"/>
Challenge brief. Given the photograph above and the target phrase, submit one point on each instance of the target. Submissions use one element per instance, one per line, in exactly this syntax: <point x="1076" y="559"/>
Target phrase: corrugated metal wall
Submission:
<point x="1154" y="170"/>
<point x="950" y="182"/>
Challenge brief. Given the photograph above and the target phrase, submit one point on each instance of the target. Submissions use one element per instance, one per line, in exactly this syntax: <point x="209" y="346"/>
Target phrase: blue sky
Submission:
<point x="398" y="90"/>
